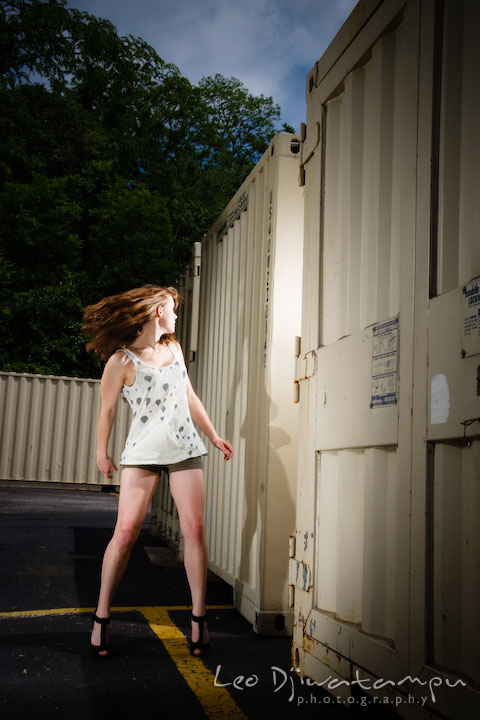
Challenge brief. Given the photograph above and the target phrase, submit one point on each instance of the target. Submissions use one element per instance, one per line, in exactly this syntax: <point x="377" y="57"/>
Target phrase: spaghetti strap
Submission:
<point x="131" y="355"/>
<point x="174" y="348"/>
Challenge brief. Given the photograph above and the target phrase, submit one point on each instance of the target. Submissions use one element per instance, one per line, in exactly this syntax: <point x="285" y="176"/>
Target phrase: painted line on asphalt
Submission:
<point x="85" y="610"/>
<point x="216" y="701"/>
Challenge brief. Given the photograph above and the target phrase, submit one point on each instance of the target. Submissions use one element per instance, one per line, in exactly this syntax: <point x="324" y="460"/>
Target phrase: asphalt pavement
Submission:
<point x="51" y="543"/>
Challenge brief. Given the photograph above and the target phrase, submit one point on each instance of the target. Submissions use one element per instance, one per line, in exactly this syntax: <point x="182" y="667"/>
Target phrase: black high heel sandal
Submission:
<point x="104" y="646"/>
<point x="199" y="644"/>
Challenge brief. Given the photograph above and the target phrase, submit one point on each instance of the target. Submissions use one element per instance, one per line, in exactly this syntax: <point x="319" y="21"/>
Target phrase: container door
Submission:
<point x="385" y="567"/>
<point x="450" y="333"/>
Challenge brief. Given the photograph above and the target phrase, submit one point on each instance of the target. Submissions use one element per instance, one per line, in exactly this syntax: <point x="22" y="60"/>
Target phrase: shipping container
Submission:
<point x="164" y="520"/>
<point x="188" y="286"/>
<point x="385" y="558"/>
<point x="48" y="429"/>
<point x="250" y="274"/>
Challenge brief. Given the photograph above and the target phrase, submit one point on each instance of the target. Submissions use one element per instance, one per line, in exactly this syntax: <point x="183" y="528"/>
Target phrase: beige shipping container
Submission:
<point x="250" y="305"/>
<point x="48" y="429"/>
<point x="385" y="560"/>
<point x="237" y="326"/>
<point x="164" y="521"/>
<point x="189" y="288"/>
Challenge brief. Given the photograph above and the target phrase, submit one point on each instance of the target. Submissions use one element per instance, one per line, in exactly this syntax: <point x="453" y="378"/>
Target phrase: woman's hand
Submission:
<point x="224" y="446"/>
<point x="106" y="466"/>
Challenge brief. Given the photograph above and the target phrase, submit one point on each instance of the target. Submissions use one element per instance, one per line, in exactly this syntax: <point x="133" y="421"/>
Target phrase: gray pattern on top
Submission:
<point x="162" y="430"/>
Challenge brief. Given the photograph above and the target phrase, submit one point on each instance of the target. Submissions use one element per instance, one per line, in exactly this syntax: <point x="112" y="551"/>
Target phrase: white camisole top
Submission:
<point x="162" y="430"/>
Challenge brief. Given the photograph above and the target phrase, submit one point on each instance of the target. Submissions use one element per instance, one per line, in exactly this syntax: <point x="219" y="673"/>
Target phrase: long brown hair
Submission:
<point x="117" y="320"/>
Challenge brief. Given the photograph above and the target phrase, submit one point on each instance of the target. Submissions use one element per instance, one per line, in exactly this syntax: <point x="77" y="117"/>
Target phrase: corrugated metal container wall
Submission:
<point x="164" y="520"/>
<point x="453" y="347"/>
<point x="48" y="429"/>
<point x="388" y="588"/>
<point x="458" y="231"/>
<point x="249" y="316"/>
<point x="189" y="289"/>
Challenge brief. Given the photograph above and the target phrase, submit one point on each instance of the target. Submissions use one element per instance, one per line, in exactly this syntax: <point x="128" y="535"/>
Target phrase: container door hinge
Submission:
<point x="305" y="368"/>
<point x="291" y="555"/>
<point x="300" y="575"/>
<point x="291" y="596"/>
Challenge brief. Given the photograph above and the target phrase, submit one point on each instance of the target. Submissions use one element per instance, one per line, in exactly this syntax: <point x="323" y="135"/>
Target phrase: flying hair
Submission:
<point x="117" y="320"/>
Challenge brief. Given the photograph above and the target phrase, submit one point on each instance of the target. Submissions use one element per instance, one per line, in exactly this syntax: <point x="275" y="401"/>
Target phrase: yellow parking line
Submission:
<point x="83" y="610"/>
<point x="40" y="613"/>
<point x="216" y="701"/>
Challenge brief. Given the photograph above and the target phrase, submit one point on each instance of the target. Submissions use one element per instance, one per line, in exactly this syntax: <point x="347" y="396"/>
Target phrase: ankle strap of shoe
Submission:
<point x="102" y="621"/>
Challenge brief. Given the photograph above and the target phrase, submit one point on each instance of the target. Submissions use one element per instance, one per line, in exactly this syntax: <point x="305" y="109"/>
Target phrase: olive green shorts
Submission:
<point x="194" y="463"/>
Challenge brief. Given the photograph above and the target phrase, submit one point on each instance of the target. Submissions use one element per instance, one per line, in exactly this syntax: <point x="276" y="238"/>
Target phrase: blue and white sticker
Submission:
<point x="385" y="364"/>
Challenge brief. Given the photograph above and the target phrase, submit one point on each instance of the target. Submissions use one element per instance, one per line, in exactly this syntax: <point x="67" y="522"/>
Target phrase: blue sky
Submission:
<point x="270" y="45"/>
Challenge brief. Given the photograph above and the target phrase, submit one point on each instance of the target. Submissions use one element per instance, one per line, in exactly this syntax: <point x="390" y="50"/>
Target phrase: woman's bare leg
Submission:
<point x="188" y="491"/>
<point x="136" y="489"/>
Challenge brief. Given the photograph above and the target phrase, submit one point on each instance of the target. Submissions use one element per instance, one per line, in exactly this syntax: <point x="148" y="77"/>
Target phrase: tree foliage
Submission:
<point x="111" y="165"/>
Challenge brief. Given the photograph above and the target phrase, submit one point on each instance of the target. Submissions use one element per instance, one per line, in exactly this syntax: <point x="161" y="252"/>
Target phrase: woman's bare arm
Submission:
<point x="113" y="379"/>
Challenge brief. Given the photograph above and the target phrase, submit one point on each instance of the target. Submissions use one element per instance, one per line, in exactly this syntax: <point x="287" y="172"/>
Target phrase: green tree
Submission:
<point x="43" y="240"/>
<point x="130" y="237"/>
<point x="238" y="126"/>
<point x="111" y="165"/>
<point x="44" y="335"/>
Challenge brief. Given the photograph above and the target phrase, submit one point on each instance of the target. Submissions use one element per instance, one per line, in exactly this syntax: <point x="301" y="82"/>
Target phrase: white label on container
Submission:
<point x="385" y="364"/>
<point x="439" y="400"/>
<point x="471" y="318"/>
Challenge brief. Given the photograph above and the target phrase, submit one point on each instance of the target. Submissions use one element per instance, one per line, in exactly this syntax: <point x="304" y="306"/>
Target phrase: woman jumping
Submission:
<point x="135" y="330"/>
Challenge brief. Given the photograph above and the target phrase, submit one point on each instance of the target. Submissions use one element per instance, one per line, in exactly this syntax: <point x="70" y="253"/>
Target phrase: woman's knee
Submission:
<point x="193" y="529"/>
<point x="125" y="535"/>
